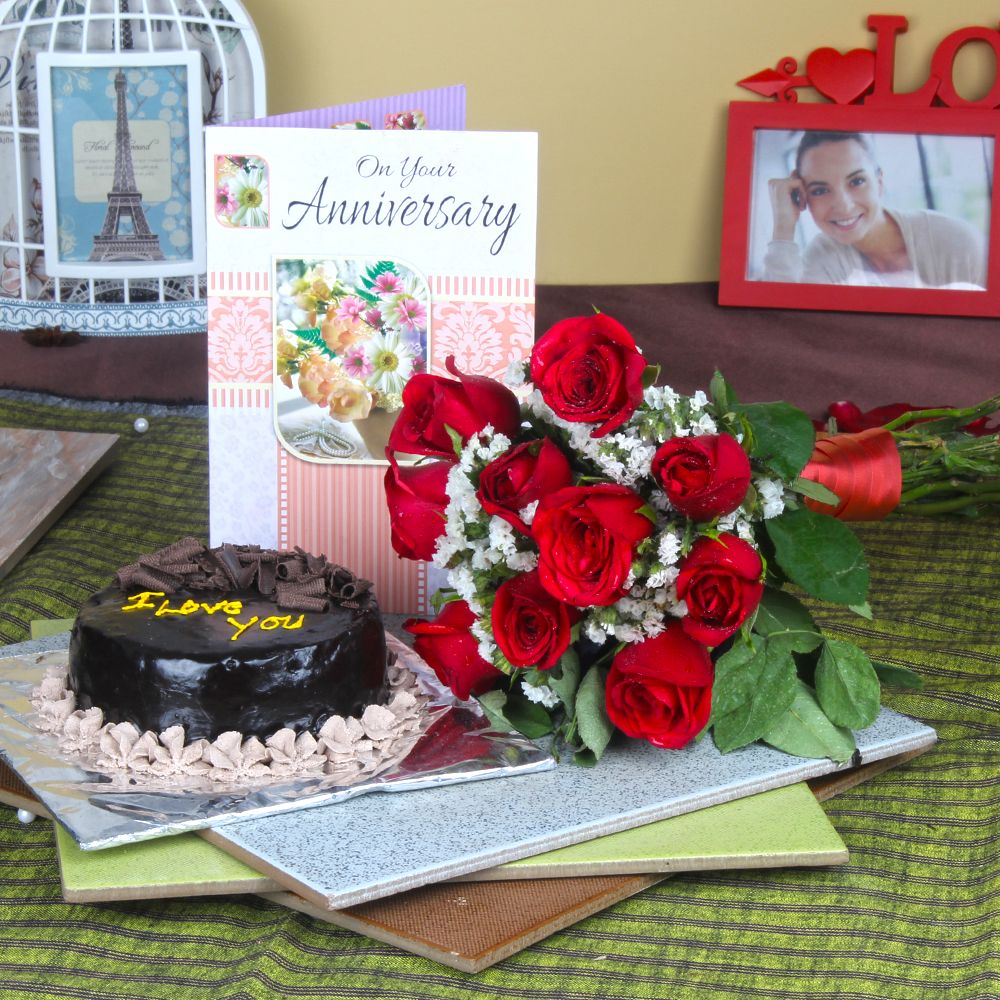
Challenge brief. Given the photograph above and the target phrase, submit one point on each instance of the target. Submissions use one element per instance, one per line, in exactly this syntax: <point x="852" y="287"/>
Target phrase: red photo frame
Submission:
<point x="945" y="165"/>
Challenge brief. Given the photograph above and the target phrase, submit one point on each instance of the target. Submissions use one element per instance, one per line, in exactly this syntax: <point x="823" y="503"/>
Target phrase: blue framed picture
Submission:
<point x="120" y="141"/>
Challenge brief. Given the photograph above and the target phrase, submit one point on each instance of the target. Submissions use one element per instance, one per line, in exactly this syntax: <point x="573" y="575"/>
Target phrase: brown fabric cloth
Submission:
<point x="167" y="368"/>
<point x="807" y="358"/>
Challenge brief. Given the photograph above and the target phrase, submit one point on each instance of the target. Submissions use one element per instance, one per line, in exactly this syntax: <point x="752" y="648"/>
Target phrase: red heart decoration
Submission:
<point x="842" y="77"/>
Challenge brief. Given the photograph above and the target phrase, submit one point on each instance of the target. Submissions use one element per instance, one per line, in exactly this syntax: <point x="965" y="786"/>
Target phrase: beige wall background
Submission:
<point x="629" y="97"/>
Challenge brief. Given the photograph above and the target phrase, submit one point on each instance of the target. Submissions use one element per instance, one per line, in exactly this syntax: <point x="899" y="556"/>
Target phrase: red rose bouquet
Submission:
<point x="618" y="553"/>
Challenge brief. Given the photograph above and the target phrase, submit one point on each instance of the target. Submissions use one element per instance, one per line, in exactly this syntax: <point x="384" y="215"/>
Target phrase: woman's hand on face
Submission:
<point x="788" y="199"/>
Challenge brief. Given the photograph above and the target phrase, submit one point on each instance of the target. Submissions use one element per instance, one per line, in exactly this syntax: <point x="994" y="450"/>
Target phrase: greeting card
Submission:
<point x="343" y="261"/>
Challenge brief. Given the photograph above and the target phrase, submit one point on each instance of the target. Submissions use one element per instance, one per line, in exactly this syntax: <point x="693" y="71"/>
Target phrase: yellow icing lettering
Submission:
<point x="189" y="607"/>
<point x="142" y="600"/>
<point x="240" y="627"/>
<point x="281" y="621"/>
<point x="227" y="607"/>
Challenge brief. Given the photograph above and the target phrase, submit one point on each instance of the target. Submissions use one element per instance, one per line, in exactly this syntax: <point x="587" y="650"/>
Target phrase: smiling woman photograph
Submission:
<point x="895" y="210"/>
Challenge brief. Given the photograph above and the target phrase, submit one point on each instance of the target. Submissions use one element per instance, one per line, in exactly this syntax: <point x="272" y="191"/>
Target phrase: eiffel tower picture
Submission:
<point x="125" y="234"/>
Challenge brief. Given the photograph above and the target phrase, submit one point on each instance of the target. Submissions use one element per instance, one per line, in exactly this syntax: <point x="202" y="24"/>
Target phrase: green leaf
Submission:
<point x="649" y="375"/>
<point x="527" y="717"/>
<point x="847" y="685"/>
<point x="493" y="703"/>
<point x="646" y="510"/>
<point x="783" y="436"/>
<point x="893" y="676"/>
<point x="721" y="393"/>
<point x="456" y="440"/>
<point x="786" y="620"/>
<point x="442" y="597"/>
<point x="863" y="610"/>
<point x="313" y="336"/>
<point x="821" y="555"/>
<point x="815" y="491"/>
<point x="592" y="723"/>
<point x="806" y="732"/>
<point x="374" y="270"/>
<point x="564" y="678"/>
<point x="754" y="684"/>
<point x="773" y="574"/>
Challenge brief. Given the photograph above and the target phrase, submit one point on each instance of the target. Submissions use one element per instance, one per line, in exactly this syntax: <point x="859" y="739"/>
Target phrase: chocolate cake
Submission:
<point x="233" y="638"/>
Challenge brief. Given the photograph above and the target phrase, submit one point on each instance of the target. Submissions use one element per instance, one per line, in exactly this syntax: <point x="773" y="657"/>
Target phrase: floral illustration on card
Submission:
<point x="350" y="332"/>
<point x="241" y="191"/>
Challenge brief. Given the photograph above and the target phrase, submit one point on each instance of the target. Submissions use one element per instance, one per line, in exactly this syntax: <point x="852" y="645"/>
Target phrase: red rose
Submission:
<point x="432" y="402"/>
<point x="703" y="477"/>
<point x="661" y="689"/>
<point x="530" y="626"/>
<point x="850" y="419"/>
<point x="585" y="537"/>
<point x="416" y="497"/>
<point x="452" y="651"/>
<point x="720" y="583"/>
<point x="524" y="474"/>
<point x="589" y="370"/>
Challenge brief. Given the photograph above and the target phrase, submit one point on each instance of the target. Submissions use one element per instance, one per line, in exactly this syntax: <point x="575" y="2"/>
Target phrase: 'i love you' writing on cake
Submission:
<point x="143" y="601"/>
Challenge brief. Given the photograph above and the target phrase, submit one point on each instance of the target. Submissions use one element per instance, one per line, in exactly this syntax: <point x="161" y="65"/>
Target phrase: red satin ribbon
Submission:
<point x="863" y="469"/>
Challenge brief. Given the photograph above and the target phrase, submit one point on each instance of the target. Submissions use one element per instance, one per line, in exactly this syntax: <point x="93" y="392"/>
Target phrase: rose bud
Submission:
<point x="531" y="627"/>
<point x="432" y="403"/>
<point x="720" y="581"/>
<point x="589" y="370"/>
<point x="526" y="473"/>
<point x="703" y="477"/>
<point x="660" y="690"/>
<point x="417" y="497"/>
<point x="586" y="536"/>
<point x="452" y="651"/>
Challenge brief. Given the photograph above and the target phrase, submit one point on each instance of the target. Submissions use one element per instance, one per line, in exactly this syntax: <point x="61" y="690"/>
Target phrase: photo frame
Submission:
<point x="120" y="144"/>
<point x="938" y="182"/>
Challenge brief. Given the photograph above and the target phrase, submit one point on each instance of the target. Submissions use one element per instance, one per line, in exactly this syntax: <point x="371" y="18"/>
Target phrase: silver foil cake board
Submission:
<point x="374" y="846"/>
<point x="98" y="812"/>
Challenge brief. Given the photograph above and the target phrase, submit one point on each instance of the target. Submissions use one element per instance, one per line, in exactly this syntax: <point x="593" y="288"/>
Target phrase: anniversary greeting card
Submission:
<point x="341" y="262"/>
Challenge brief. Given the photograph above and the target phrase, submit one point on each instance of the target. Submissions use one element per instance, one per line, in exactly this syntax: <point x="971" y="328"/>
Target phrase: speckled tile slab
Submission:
<point x="380" y="844"/>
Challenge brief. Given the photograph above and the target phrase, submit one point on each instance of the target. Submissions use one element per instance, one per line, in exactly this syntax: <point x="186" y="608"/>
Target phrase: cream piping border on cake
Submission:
<point x="345" y="750"/>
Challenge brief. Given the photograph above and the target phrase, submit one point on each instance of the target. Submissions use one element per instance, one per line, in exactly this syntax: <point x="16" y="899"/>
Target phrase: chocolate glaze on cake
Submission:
<point x="215" y="657"/>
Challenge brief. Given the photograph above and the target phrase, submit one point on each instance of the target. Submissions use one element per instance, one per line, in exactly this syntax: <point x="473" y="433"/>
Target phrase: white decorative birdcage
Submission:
<point x="53" y="276"/>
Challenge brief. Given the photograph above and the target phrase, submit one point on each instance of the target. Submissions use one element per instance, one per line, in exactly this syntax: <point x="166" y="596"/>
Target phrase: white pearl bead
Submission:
<point x="141" y="425"/>
<point x="25" y="816"/>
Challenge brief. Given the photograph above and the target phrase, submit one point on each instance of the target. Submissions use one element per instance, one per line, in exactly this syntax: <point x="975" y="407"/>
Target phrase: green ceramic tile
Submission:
<point x="782" y="827"/>
<point x="184" y="865"/>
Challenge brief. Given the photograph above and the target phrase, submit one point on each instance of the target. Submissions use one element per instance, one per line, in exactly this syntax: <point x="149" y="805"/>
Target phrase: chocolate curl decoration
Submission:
<point x="863" y="469"/>
<point x="304" y="594"/>
<point x="138" y="577"/>
<point x="294" y="580"/>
